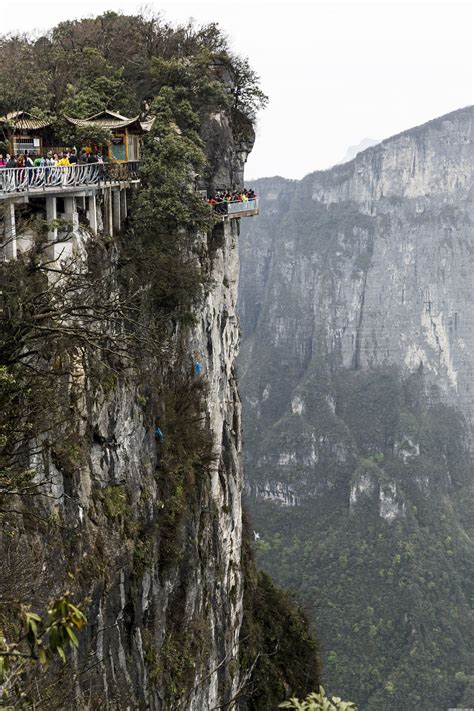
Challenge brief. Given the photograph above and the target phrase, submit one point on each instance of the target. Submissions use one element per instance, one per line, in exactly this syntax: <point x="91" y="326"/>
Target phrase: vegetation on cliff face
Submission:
<point x="73" y="339"/>
<point x="318" y="701"/>
<point x="360" y="478"/>
<point x="390" y="528"/>
<point x="278" y="655"/>
<point x="122" y="61"/>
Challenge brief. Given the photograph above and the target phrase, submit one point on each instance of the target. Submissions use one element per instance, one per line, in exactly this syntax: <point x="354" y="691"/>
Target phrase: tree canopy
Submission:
<point x="122" y="61"/>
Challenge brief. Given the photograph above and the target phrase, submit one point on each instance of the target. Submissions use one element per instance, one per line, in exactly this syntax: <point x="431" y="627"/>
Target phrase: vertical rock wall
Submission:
<point x="357" y="364"/>
<point x="372" y="261"/>
<point x="113" y="557"/>
<point x="161" y="634"/>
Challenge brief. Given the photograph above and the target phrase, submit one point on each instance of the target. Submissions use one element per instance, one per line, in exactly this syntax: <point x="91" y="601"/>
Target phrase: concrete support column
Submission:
<point x="116" y="210"/>
<point x="108" y="212"/>
<point x="92" y="213"/>
<point x="10" y="246"/>
<point x="123" y="204"/>
<point x="70" y="212"/>
<point x="52" y="214"/>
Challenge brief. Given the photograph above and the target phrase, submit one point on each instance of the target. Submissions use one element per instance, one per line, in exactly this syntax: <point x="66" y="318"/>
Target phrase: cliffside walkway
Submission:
<point x="99" y="190"/>
<point x="37" y="181"/>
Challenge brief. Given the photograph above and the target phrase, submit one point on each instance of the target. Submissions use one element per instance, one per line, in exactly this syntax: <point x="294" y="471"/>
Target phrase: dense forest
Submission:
<point x="394" y="604"/>
<point x="124" y="62"/>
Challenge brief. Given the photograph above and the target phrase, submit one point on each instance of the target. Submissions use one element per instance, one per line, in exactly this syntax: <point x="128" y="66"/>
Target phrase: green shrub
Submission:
<point x="318" y="702"/>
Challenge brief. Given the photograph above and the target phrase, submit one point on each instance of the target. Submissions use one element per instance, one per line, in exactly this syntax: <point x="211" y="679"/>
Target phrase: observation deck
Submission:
<point x="249" y="208"/>
<point x="98" y="191"/>
<point x="95" y="191"/>
<point x="237" y="208"/>
<point x="61" y="179"/>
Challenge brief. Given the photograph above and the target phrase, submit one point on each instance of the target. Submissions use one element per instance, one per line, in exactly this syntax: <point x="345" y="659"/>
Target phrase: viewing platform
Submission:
<point x="92" y="194"/>
<point x="249" y="208"/>
<point x="230" y="205"/>
<point x="74" y="192"/>
<point x="58" y="180"/>
<point x="95" y="193"/>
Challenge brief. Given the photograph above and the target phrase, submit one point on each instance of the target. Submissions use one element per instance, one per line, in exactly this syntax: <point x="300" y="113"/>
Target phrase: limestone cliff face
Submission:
<point x="157" y="569"/>
<point x="205" y="586"/>
<point x="190" y="610"/>
<point x="372" y="261"/>
<point x="357" y="362"/>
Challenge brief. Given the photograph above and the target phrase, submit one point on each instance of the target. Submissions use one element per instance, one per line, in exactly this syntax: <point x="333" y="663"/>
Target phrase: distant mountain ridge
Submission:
<point x="357" y="380"/>
<point x="352" y="151"/>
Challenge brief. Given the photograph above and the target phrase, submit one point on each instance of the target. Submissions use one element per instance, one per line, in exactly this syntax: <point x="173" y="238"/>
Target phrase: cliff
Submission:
<point x="158" y="553"/>
<point x="120" y="427"/>
<point x="381" y="251"/>
<point x="357" y="365"/>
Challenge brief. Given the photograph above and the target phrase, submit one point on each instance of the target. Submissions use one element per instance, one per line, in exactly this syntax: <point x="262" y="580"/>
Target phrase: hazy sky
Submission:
<point x="336" y="72"/>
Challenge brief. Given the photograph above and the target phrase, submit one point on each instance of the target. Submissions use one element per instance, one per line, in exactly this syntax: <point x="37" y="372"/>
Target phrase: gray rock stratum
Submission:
<point x="375" y="259"/>
<point x="357" y="363"/>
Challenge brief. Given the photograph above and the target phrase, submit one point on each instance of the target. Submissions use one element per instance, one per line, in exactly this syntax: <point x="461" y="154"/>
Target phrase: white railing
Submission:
<point x="19" y="180"/>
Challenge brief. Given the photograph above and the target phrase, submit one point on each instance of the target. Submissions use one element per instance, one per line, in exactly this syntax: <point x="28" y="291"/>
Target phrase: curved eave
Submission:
<point x="24" y="123"/>
<point x="133" y="123"/>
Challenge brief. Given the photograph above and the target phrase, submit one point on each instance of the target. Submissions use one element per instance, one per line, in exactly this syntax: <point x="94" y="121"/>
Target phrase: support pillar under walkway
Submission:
<point x="9" y="241"/>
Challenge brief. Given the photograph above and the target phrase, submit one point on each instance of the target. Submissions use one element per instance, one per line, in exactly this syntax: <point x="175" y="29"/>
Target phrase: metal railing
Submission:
<point x="237" y="207"/>
<point x="234" y="208"/>
<point x="37" y="179"/>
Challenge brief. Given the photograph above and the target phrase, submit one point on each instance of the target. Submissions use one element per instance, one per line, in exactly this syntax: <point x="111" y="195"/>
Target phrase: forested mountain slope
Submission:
<point x="357" y="312"/>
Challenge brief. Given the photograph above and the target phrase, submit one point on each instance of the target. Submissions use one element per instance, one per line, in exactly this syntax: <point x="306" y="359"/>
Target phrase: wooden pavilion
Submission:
<point x="25" y="132"/>
<point x="126" y="133"/>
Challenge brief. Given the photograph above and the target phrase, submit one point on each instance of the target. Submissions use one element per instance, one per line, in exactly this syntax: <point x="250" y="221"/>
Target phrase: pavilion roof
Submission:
<point x="24" y="120"/>
<point x="108" y="119"/>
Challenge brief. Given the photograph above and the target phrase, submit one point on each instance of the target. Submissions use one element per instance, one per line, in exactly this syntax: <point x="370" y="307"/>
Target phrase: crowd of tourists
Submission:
<point x="34" y="168"/>
<point x="221" y="199"/>
<point x="26" y="160"/>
